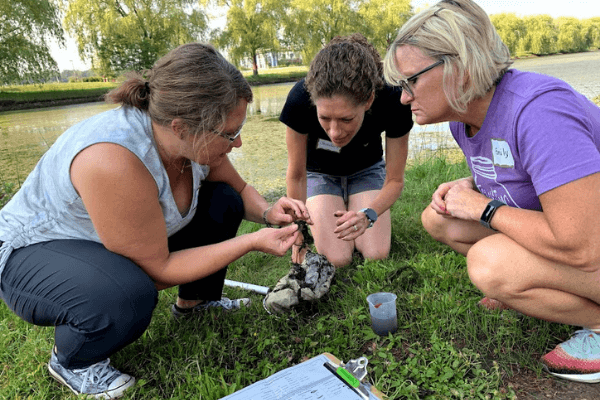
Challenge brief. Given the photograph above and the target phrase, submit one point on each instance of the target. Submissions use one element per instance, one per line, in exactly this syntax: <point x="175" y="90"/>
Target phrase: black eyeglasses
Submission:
<point x="231" y="136"/>
<point x="406" y="84"/>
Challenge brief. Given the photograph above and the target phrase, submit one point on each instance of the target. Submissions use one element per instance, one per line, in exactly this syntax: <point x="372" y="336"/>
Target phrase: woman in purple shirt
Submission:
<point x="526" y="218"/>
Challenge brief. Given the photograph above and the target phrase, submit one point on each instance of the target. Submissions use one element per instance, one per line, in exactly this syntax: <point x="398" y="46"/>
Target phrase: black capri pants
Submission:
<point x="99" y="301"/>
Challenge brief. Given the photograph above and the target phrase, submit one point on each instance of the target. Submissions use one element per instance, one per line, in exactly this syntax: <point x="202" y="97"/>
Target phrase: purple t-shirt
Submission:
<point x="538" y="134"/>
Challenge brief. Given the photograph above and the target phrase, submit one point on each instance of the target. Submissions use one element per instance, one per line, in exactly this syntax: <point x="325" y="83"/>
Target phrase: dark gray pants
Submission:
<point x="98" y="301"/>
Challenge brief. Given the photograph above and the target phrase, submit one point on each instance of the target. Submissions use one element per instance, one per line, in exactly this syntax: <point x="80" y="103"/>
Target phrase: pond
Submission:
<point x="262" y="160"/>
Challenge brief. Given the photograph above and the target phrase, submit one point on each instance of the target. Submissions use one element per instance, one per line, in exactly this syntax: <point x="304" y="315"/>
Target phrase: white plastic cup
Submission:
<point x="383" y="313"/>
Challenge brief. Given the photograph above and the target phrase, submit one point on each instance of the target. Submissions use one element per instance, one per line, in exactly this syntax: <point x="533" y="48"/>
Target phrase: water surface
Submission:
<point x="26" y="135"/>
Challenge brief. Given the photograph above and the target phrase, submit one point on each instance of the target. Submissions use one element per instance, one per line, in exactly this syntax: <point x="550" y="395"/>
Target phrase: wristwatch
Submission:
<point x="371" y="215"/>
<point x="489" y="212"/>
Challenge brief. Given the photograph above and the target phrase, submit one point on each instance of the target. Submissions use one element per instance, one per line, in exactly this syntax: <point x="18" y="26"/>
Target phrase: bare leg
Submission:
<point x="375" y="243"/>
<point x="537" y="287"/>
<point x="458" y="234"/>
<point x="322" y="208"/>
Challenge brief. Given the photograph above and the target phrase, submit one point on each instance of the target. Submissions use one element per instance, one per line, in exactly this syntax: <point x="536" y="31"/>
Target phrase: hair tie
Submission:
<point x="147" y="85"/>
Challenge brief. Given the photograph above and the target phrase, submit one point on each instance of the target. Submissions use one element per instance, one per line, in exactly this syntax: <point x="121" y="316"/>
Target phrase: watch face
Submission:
<point x="371" y="215"/>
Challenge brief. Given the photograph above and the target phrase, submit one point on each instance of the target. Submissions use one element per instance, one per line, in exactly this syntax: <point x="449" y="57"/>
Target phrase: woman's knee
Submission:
<point x="337" y="258"/>
<point x="223" y="201"/>
<point x="434" y="224"/>
<point x="486" y="267"/>
<point x="129" y="303"/>
<point x="375" y="252"/>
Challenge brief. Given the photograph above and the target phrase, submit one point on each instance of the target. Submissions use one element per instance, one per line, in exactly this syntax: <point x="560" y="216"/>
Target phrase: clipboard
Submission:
<point x="323" y="377"/>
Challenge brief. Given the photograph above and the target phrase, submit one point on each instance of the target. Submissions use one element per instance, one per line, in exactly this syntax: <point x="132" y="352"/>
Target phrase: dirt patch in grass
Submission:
<point x="528" y="386"/>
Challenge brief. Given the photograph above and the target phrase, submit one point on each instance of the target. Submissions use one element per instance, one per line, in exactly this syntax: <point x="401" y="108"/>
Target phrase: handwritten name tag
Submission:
<point x="502" y="155"/>
<point x="327" y="145"/>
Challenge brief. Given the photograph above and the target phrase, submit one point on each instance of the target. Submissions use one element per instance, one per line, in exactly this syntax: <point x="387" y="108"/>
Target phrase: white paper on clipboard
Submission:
<point x="309" y="380"/>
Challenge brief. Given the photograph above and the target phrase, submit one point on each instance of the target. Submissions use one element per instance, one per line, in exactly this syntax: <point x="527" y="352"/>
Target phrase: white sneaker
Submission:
<point x="225" y="303"/>
<point x="100" y="380"/>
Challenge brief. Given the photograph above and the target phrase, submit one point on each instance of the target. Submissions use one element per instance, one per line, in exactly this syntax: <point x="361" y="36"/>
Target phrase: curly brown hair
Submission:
<point x="193" y="82"/>
<point x="349" y="66"/>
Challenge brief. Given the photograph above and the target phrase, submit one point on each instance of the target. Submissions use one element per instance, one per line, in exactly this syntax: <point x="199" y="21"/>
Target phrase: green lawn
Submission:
<point x="445" y="347"/>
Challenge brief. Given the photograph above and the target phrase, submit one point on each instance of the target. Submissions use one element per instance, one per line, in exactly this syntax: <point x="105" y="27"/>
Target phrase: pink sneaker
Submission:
<point x="577" y="359"/>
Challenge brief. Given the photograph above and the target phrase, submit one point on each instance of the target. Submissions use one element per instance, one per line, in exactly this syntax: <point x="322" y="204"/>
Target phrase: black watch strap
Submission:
<point x="489" y="212"/>
<point x="371" y="216"/>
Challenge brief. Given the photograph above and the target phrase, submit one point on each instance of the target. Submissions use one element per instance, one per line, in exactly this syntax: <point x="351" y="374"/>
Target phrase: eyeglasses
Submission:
<point x="231" y="136"/>
<point x="406" y="84"/>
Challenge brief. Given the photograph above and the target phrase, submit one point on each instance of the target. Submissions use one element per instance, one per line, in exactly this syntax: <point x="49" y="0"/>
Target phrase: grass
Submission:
<point x="445" y="347"/>
<point x="55" y="91"/>
<point x="275" y="75"/>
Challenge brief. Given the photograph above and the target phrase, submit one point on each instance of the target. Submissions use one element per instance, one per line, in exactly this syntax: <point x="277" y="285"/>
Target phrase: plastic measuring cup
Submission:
<point x="383" y="313"/>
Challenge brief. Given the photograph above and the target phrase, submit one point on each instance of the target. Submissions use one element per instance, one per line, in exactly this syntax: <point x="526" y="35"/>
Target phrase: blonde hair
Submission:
<point x="193" y="82"/>
<point x="460" y="33"/>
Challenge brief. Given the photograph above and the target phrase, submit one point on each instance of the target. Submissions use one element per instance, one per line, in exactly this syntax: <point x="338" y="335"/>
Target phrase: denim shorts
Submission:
<point x="370" y="178"/>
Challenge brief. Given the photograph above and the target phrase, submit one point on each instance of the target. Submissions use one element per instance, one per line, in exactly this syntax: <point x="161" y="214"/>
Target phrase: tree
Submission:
<point x="251" y="27"/>
<point x="25" y="28"/>
<point x="119" y="35"/>
<point x="310" y="24"/>
<point x="570" y="34"/>
<point x="591" y="29"/>
<point x="511" y="29"/>
<point x="382" y="19"/>
<point x="541" y="35"/>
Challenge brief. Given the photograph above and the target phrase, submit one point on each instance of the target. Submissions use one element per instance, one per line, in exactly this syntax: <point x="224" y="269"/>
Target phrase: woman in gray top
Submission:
<point x="132" y="201"/>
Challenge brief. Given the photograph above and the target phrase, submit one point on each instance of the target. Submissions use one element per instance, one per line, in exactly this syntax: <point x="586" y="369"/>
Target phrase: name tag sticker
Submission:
<point x="502" y="155"/>
<point x="327" y="145"/>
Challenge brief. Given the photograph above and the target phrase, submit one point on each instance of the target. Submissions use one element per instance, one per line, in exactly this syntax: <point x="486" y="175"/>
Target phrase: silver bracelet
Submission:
<point x="267" y="223"/>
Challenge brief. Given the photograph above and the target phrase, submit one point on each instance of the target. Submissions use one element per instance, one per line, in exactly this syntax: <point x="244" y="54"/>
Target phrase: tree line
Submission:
<point x="542" y="34"/>
<point x="120" y="35"/>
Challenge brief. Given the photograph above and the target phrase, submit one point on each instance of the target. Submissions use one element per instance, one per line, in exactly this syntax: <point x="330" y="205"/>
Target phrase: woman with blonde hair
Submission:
<point x="525" y="217"/>
<point x="132" y="201"/>
<point x="334" y="122"/>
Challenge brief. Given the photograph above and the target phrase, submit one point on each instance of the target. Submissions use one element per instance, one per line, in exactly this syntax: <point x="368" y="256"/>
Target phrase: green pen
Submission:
<point x="345" y="376"/>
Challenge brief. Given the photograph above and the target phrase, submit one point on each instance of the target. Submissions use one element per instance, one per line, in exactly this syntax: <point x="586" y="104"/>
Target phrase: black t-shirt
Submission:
<point x="386" y="114"/>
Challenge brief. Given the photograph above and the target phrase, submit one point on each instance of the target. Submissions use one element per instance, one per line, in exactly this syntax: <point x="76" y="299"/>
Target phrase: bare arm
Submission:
<point x="567" y="231"/>
<point x="396" y="153"/>
<point x="122" y="200"/>
<point x="296" y="170"/>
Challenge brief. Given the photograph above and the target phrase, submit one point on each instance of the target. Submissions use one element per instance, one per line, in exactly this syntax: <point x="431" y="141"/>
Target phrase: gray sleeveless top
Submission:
<point x="47" y="207"/>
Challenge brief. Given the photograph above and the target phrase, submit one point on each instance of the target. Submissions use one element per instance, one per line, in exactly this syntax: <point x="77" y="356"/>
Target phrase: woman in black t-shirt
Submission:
<point x="334" y="120"/>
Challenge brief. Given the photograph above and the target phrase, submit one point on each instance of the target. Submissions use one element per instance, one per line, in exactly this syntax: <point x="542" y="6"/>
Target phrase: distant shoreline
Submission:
<point x="17" y="105"/>
<point x="263" y="79"/>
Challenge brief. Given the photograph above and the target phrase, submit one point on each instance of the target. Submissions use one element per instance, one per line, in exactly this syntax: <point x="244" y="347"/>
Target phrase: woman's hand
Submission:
<point x="465" y="203"/>
<point x="438" y="199"/>
<point x="298" y="250"/>
<point x="350" y="224"/>
<point x="276" y="241"/>
<point x="287" y="210"/>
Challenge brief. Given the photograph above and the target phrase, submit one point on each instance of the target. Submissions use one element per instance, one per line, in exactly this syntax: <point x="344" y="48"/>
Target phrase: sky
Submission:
<point x="68" y="58"/>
